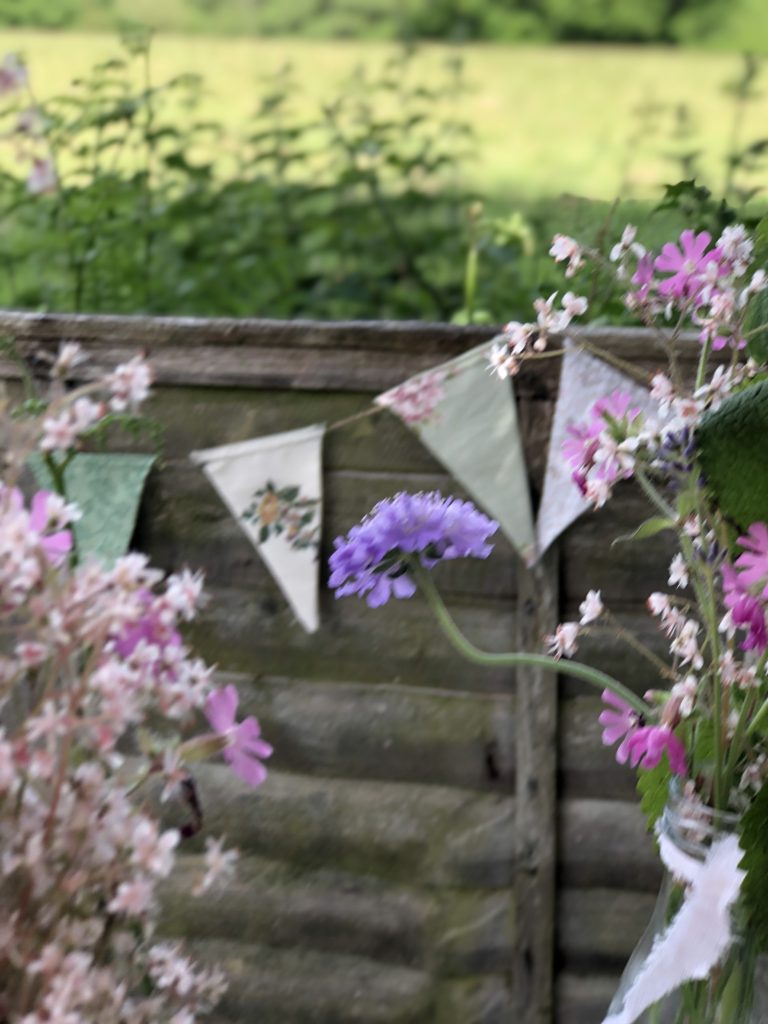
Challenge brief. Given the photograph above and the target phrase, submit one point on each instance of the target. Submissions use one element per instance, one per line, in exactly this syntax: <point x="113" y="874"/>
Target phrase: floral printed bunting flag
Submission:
<point x="273" y="487"/>
<point x="468" y="419"/>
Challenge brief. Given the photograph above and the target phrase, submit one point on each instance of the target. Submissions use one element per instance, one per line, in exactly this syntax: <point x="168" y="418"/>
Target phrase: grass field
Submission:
<point x="547" y="120"/>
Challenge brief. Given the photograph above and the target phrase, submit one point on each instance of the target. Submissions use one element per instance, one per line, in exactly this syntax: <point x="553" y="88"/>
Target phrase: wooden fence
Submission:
<point x="436" y="842"/>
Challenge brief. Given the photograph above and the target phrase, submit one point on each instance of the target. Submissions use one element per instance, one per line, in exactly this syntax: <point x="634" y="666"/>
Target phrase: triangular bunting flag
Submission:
<point x="107" y="488"/>
<point x="273" y="487"/>
<point x="583" y="379"/>
<point x="467" y="418"/>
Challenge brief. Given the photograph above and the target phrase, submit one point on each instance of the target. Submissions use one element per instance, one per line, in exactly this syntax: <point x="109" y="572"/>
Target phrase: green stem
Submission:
<point x="509" y="659"/>
<point x="653" y="496"/>
<point x="702" y="367"/>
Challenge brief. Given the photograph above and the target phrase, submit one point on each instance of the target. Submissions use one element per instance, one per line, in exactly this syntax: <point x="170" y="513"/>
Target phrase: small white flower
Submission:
<point x="590" y="608"/>
<point x="574" y="305"/>
<point x="563" y="641"/>
<point x="678" y="572"/>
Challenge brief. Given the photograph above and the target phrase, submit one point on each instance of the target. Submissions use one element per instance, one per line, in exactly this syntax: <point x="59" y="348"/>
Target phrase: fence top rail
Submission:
<point x="299" y="354"/>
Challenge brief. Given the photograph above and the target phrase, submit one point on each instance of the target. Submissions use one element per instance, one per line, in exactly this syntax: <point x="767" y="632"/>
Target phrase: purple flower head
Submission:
<point x="687" y="264"/>
<point x="372" y="560"/>
<point x="244" y="747"/>
<point x="648" y="743"/>
<point x="618" y="724"/>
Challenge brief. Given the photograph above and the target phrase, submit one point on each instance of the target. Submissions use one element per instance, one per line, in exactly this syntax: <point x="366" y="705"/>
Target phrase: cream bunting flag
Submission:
<point x="467" y="418"/>
<point x="273" y="488"/>
<point x="583" y="379"/>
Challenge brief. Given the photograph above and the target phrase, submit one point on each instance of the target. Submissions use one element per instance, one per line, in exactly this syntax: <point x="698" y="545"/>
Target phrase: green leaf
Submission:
<point x="754" y="888"/>
<point x="263" y="534"/>
<point x="653" y="790"/>
<point x="647" y="529"/>
<point x="289" y="493"/>
<point x="734" y="455"/>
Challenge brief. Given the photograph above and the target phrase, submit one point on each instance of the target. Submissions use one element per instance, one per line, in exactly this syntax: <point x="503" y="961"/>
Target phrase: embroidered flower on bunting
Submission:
<point x="284" y="512"/>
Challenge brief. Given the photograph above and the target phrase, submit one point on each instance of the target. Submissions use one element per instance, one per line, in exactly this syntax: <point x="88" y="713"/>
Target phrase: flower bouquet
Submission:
<point x="698" y="737"/>
<point x="99" y="698"/>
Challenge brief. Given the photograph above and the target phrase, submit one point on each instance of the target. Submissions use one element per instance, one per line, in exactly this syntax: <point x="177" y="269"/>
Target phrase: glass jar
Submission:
<point x="736" y="991"/>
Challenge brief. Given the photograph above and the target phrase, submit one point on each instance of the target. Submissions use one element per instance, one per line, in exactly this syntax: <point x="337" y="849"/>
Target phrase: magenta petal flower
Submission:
<point x="647" y="745"/>
<point x="687" y="264"/>
<point x="753" y="562"/>
<point x="245" y="747"/>
<point x="747" y="611"/>
<point x="622" y="722"/>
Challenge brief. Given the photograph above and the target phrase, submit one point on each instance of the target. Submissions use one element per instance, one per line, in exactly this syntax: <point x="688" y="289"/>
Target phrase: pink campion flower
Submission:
<point x="596" y="450"/>
<point x="56" y="545"/>
<point x="746" y="611"/>
<point x="244" y="745"/>
<point x="647" y="745"/>
<point x="752" y="563"/>
<point x="644" y="280"/>
<point x="621" y="723"/>
<point x="687" y="264"/>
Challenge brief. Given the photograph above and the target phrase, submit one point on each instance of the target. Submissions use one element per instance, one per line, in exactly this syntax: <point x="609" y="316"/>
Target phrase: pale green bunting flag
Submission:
<point x="467" y="418"/>
<point x="107" y="488"/>
<point x="273" y="488"/>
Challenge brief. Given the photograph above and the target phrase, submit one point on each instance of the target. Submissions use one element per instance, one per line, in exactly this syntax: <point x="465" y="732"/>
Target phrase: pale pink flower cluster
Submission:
<point x="521" y="339"/>
<point x="416" y="400"/>
<point x="602" y="449"/>
<point x="95" y="656"/>
<point x="563" y="642"/>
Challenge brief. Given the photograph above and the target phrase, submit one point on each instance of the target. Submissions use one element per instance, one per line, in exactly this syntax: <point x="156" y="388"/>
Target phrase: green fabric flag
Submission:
<point x="107" y="488"/>
<point x="467" y="418"/>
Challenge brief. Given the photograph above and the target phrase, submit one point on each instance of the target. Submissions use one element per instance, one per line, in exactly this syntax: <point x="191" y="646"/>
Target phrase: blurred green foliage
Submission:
<point x="662" y="21"/>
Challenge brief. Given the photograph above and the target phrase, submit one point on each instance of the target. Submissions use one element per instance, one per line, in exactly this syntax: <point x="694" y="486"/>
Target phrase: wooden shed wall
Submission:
<point x="436" y="842"/>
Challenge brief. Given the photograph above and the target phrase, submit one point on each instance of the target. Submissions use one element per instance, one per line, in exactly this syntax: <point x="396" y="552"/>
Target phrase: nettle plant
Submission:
<point x="700" y="459"/>
<point x="99" y="696"/>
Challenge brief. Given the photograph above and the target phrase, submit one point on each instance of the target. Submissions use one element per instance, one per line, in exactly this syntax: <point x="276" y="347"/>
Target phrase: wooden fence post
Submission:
<point x="536" y="791"/>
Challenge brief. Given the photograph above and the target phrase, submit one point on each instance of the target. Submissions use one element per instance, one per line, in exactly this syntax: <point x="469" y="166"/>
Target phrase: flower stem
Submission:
<point x="509" y="659"/>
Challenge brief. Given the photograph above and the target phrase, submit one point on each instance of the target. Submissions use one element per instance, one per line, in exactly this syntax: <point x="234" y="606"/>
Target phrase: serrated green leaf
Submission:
<point x="647" y="529"/>
<point x="734" y="455"/>
<point x="754" y="888"/>
<point x="653" y="790"/>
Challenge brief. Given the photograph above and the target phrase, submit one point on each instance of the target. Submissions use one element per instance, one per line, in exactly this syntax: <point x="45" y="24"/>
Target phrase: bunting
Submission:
<point x="107" y="488"/>
<point x="273" y="488"/>
<point x="468" y="419"/>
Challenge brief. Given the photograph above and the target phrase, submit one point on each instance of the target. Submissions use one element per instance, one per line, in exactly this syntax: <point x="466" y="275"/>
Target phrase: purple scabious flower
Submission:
<point x="372" y="560"/>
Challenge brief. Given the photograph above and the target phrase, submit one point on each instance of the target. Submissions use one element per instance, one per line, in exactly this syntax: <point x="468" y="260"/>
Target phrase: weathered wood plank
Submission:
<point x="395" y="733"/>
<point x="248" y="631"/>
<point x="605" y="843"/>
<point x="536" y="702"/>
<point x="599" y="928"/>
<point x="584" y="998"/>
